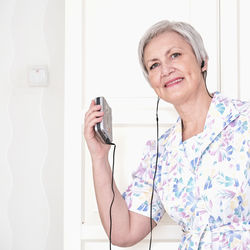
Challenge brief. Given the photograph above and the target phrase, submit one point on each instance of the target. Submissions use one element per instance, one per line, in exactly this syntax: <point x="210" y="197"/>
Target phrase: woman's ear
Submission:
<point x="204" y="65"/>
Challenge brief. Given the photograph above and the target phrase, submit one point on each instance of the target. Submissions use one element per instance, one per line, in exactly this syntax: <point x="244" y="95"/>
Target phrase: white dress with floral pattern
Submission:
<point x="202" y="183"/>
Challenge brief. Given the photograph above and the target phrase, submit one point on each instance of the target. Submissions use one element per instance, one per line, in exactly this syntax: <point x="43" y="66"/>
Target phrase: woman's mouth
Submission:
<point x="173" y="82"/>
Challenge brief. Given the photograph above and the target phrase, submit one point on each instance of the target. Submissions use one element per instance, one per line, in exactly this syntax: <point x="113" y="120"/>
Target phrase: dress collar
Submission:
<point x="221" y="112"/>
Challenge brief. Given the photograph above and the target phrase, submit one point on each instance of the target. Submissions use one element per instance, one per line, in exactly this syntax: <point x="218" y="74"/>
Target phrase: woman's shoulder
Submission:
<point x="166" y="139"/>
<point x="166" y="134"/>
<point x="151" y="143"/>
<point x="243" y="107"/>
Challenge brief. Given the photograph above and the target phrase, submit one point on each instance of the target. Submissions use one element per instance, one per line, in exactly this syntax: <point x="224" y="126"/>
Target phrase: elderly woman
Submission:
<point x="202" y="178"/>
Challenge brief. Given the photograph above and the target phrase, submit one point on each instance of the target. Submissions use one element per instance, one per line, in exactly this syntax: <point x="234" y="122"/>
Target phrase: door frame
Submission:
<point x="72" y="125"/>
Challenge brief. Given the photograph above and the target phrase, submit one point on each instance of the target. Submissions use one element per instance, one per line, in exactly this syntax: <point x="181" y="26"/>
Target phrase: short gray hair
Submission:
<point x="184" y="29"/>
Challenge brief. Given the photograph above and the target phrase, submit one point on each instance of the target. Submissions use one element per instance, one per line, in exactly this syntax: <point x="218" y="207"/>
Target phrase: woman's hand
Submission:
<point x="97" y="149"/>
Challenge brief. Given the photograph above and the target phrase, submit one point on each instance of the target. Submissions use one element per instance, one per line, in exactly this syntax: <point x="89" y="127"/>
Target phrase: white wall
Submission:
<point x="32" y="119"/>
<point x="31" y="144"/>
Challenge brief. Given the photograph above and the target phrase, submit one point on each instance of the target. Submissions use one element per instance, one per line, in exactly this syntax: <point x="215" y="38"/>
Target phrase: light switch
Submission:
<point x="38" y="76"/>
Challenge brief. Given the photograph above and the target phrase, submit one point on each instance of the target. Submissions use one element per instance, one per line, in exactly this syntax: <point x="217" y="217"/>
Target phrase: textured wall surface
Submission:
<point x="31" y="145"/>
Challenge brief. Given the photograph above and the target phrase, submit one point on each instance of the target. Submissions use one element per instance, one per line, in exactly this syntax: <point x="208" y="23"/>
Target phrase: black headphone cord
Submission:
<point x="113" y="198"/>
<point x="152" y="195"/>
<point x="156" y="166"/>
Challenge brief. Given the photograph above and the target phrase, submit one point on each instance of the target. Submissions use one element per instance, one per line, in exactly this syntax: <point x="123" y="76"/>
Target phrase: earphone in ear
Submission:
<point x="202" y="63"/>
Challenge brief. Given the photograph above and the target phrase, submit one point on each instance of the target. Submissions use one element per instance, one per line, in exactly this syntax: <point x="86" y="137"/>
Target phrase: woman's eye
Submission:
<point x="154" y="66"/>
<point x="174" y="55"/>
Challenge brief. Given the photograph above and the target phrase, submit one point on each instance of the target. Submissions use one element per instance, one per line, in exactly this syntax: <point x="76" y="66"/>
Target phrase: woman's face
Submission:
<point x="173" y="70"/>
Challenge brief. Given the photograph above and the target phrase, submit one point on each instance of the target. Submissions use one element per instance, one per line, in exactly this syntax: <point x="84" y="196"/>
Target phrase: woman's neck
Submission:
<point x="193" y="115"/>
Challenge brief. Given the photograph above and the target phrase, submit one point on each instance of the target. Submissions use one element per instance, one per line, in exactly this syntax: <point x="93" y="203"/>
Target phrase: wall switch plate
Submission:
<point x="38" y="76"/>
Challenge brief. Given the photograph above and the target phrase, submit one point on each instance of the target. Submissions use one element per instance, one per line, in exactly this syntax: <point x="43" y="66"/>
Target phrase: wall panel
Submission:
<point x="31" y="146"/>
<point x="229" y="28"/>
<point x="244" y="49"/>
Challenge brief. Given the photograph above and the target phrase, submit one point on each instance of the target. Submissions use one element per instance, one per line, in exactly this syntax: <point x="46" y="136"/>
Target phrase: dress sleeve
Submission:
<point x="138" y="194"/>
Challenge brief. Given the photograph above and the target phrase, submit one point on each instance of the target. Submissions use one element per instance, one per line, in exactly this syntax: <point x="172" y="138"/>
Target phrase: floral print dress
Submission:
<point x="202" y="183"/>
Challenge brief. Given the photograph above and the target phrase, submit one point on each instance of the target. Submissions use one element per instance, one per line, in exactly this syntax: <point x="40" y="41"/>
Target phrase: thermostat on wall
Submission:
<point x="38" y="76"/>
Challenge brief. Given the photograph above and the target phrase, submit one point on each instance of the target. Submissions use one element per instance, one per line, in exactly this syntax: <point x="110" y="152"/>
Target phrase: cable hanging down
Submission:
<point x="156" y="166"/>
<point x="153" y="185"/>
<point x="113" y="198"/>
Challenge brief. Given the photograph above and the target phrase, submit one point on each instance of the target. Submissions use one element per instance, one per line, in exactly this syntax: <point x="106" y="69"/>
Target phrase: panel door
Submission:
<point x="112" y="30"/>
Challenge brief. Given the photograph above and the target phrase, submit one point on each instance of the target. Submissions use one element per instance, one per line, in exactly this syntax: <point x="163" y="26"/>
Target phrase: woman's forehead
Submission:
<point x="166" y="41"/>
<point x="168" y="37"/>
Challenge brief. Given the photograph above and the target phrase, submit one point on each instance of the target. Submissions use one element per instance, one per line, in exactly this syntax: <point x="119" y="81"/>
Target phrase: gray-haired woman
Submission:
<point x="202" y="178"/>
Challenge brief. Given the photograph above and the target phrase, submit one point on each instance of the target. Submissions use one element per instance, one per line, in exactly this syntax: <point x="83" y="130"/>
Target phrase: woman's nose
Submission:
<point x="166" y="69"/>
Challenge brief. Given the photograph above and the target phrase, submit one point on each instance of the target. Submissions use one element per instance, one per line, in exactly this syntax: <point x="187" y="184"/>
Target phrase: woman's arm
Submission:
<point x="128" y="227"/>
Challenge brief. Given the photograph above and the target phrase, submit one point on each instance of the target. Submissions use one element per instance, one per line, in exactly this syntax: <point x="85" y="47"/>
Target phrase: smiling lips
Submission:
<point x="173" y="82"/>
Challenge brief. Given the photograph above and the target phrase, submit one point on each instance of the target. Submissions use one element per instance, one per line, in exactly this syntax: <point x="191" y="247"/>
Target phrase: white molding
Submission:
<point x="218" y="14"/>
<point x="140" y="111"/>
<point x="244" y="52"/>
<point x="72" y="125"/>
<point x="229" y="29"/>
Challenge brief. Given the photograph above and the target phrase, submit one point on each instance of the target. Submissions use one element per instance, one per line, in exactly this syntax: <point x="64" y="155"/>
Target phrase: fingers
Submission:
<point x="92" y="117"/>
<point x="92" y="108"/>
<point x="93" y="112"/>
